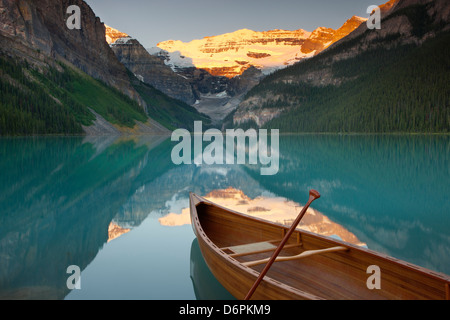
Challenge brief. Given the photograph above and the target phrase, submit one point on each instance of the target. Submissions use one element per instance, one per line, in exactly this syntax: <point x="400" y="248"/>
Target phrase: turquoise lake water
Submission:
<point x="63" y="198"/>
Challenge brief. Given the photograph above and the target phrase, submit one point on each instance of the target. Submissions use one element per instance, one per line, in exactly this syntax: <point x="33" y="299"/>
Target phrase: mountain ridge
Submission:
<point x="212" y="95"/>
<point x="57" y="80"/>
<point x="230" y="54"/>
<point x="216" y="87"/>
<point x="41" y="57"/>
<point x="370" y="81"/>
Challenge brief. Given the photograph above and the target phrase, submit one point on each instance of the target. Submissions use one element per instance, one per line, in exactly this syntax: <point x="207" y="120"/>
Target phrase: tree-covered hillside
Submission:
<point x="396" y="79"/>
<point x="403" y="89"/>
<point x="58" y="100"/>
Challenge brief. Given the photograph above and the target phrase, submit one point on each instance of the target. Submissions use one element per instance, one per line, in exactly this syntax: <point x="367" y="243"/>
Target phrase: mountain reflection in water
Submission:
<point x="275" y="209"/>
<point x="62" y="199"/>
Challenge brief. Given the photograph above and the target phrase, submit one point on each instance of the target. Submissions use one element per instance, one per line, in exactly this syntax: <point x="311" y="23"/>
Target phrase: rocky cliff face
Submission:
<point x="402" y="23"/>
<point x="152" y="70"/>
<point x="321" y="38"/>
<point x="37" y="31"/>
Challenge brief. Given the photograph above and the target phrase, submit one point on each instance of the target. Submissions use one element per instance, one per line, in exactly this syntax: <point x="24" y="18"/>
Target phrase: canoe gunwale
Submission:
<point x="200" y="233"/>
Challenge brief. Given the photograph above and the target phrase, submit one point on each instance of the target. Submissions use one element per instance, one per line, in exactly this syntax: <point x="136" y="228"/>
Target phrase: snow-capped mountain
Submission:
<point x="112" y="35"/>
<point x="232" y="53"/>
<point x="215" y="96"/>
<point x="214" y="73"/>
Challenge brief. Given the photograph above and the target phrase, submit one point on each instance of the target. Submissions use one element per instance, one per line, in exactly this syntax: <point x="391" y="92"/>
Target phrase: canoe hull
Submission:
<point x="238" y="279"/>
<point x="337" y="275"/>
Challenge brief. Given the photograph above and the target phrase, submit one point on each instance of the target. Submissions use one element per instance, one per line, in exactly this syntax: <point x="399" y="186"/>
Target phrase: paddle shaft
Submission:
<point x="313" y="195"/>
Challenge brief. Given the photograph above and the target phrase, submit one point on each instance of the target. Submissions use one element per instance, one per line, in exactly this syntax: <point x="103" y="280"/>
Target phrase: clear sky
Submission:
<point x="152" y="21"/>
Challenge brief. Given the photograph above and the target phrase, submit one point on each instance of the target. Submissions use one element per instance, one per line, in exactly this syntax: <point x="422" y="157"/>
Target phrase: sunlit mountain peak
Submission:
<point x="112" y="35"/>
<point x="230" y="54"/>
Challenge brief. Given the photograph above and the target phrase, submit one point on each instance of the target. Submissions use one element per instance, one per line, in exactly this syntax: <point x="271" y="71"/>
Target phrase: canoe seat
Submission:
<point x="254" y="248"/>
<point x="251" y="247"/>
<point x="304" y="254"/>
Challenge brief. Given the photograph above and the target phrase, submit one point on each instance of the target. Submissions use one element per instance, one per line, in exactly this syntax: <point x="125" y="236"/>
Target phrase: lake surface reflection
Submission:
<point x="117" y="208"/>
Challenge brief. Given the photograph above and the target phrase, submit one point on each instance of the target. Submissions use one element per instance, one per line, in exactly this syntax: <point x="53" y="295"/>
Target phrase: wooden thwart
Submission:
<point x="299" y="256"/>
<point x="255" y="248"/>
<point x="249" y="248"/>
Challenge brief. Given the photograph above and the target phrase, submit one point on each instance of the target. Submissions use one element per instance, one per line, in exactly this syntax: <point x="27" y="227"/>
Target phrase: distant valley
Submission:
<point x="214" y="73"/>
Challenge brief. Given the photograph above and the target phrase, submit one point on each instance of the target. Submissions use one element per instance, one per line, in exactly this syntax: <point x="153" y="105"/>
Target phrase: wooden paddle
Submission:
<point x="313" y="195"/>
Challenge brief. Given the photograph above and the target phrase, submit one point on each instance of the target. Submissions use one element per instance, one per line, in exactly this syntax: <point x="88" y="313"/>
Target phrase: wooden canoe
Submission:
<point x="235" y="245"/>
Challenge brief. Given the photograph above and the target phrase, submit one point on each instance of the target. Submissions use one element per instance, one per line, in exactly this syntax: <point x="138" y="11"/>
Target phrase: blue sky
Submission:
<point x="152" y="21"/>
